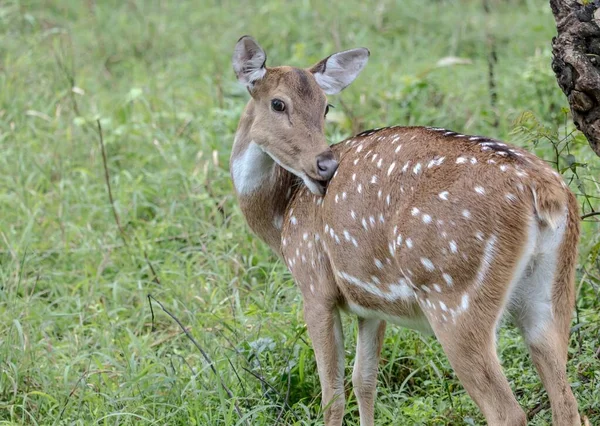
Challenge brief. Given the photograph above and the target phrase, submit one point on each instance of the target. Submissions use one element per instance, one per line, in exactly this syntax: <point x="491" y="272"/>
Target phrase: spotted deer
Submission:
<point x="419" y="226"/>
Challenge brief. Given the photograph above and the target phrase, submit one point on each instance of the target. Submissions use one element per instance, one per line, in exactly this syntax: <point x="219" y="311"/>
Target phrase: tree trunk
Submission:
<point x="576" y="63"/>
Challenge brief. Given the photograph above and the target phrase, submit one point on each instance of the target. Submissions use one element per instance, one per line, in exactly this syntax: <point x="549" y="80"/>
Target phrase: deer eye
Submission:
<point x="277" y="105"/>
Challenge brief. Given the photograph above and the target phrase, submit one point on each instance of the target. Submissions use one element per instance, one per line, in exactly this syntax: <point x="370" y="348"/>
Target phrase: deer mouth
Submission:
<point x="317" y="187"/>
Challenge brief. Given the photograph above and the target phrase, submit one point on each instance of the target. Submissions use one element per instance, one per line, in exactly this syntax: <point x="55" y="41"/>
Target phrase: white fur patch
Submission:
<point x="418" y="323"/>
<point x="531" y="301"/>
<point x="399" y="290"/>
<point x="486" y="261"/>
<point x="251" y="169"/>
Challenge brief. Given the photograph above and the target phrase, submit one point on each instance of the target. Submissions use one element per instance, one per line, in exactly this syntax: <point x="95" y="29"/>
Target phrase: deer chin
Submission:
<point x="317" y="187"/>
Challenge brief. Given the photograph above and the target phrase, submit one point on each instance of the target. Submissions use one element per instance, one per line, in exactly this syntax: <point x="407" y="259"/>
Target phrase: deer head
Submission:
<point x="289" y="105"/>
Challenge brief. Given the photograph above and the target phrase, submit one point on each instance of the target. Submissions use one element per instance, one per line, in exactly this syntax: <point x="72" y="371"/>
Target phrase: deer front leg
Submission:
<point x="364" y="376"/>
<point x="325" y="330"/>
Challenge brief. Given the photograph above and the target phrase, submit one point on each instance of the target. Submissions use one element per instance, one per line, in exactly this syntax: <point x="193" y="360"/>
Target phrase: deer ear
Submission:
<point x="249" y="61"/>
<point x="337" y="71"/>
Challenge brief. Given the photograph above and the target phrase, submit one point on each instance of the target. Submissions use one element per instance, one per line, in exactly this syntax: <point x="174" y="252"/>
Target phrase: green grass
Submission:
<point x="77" y="343"/>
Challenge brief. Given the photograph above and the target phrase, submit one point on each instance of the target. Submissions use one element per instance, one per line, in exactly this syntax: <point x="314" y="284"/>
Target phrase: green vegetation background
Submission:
<point x="77" y="344"/>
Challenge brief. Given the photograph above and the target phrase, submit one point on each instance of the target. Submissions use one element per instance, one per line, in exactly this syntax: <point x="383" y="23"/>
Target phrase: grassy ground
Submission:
<point x="78" y="343"/>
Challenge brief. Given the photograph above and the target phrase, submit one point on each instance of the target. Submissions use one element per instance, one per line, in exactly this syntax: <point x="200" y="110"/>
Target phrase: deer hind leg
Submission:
<point x="542" y="307"/>
<point x="465" y="324"/>
<point x="325" y="330"/>
<point x="471" y="350"/>
<point x="364" y="376"/>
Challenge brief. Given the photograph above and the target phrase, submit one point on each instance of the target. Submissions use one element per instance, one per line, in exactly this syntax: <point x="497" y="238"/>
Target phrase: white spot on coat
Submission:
<point x="453" y="247"/>
<point x="486" y="262"/>
<point x="428" y="264"/>
<point x="436" y="162"/>
<point x="464" y="302"/>
<point x="399" y="290"/>
<point x="391" y="168"/>
<point x="447" y="278"/>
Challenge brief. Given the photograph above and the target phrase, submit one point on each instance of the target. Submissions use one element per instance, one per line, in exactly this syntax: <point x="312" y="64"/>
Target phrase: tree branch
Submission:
<point x="585" y="216"/>
<point x="576" y="63"/>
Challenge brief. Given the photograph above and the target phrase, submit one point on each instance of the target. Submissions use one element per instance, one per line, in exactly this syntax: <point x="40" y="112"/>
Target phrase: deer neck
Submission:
<point x="264" y="189"/>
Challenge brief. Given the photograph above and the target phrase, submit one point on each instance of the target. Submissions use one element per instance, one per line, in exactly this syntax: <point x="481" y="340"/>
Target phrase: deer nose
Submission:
<point x="326" y="165"/>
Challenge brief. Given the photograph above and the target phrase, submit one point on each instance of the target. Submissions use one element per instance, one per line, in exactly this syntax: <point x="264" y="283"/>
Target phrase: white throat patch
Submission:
<point x="251" y="169"/>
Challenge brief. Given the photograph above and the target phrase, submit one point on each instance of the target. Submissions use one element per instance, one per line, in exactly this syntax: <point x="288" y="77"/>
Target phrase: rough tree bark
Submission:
<point x="576" y="63"/>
